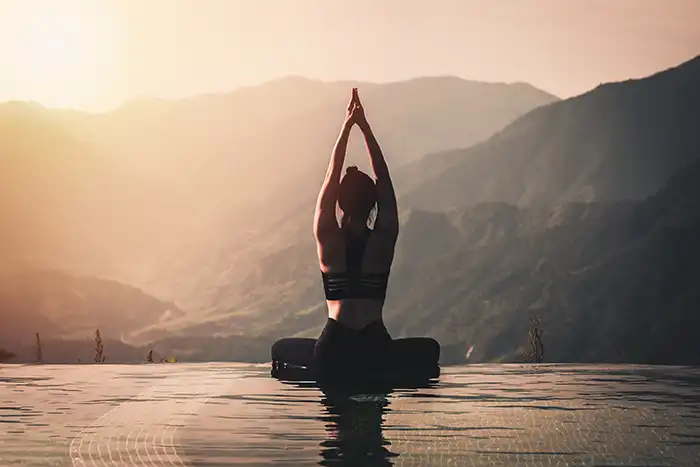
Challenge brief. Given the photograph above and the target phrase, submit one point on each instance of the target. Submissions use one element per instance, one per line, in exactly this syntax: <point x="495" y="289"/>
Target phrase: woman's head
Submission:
<point x="357" y="195"/>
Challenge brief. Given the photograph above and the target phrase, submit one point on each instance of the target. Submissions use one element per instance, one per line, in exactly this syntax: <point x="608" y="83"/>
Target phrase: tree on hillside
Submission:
<point x="536" y="352"/>
<point x="39" y="353"/>
<point x="99" y="348"/>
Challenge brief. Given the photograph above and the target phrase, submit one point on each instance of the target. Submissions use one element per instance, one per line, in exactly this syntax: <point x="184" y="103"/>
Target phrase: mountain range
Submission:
<point x="179" y="198"/>
<point x="581" y="211"/>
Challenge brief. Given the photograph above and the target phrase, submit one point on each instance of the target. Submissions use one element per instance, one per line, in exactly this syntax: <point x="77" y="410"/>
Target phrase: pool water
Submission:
<point x="236" y="414"/>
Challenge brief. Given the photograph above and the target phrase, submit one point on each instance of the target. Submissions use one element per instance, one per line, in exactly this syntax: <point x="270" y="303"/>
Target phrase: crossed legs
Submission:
<point x="402" y="354"/>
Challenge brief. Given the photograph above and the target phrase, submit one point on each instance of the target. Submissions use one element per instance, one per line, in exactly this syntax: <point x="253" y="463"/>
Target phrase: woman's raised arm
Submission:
<point x="387" y="215"/>
<point x="325" y="221"/>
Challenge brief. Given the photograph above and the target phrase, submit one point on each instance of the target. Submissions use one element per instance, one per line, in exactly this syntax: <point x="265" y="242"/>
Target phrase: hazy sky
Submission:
<point x="97" y="53"/>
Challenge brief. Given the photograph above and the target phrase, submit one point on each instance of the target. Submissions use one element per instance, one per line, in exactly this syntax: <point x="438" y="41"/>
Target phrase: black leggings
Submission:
<point x="343" y="351"/>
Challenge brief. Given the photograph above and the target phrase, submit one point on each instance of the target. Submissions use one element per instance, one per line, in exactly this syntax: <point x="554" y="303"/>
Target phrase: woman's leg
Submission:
<point x="413" y="353"/>
<point x="297" y="351"/>
<point x="346" y="353"/>
<point x="332" y="351"/>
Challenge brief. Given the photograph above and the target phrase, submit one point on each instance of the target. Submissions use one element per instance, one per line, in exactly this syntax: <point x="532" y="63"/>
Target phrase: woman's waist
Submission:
<point x="355" y="285"/>
<point x="355" y="313"/>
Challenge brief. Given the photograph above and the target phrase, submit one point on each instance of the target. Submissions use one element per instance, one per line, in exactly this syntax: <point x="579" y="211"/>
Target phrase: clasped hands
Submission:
<point x="355" y="113"/>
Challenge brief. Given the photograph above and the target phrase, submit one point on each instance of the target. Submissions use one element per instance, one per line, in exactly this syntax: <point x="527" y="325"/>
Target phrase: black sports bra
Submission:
<point x="353" y="283"/>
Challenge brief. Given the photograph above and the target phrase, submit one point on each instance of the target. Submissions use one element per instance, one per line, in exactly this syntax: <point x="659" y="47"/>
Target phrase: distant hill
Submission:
<point x="618" y="284"/>
<point x="618" y="141"/>
<point x="61" y="306"/>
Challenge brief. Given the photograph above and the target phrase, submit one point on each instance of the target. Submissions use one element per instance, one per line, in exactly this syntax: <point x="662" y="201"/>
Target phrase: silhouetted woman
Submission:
<point x="355" y="262"/>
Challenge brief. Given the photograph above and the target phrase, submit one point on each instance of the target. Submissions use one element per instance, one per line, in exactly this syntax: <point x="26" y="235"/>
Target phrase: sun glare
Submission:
<point x="65" y="58"/>
<point x="57" y="45"/>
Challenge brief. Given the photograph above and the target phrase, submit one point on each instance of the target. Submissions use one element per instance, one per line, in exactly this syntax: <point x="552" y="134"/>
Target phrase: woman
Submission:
<point x="355" y="262"/>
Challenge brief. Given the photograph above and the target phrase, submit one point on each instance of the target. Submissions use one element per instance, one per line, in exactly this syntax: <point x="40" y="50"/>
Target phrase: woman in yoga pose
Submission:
<point x="355" y="262"/>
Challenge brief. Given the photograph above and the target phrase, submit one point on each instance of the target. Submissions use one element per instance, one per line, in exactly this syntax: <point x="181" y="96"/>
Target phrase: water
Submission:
<point x="234" y="414"/>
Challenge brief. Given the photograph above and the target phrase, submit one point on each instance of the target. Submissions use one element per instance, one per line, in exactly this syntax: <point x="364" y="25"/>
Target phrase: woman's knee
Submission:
<point x="277" y="349"/>
<point x="423" y="348"/>
<point x="427" y="347"/>
<point x="433" y="347"/>
<point x="281" y="345"/>
<point x="291" y="346"/>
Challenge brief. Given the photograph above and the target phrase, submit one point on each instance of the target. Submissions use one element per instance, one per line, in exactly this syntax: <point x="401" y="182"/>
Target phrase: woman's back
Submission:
<point x="355" y="278"/>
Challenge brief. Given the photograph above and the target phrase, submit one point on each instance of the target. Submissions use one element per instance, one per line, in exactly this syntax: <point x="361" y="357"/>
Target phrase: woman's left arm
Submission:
<point x="325" y="221"/>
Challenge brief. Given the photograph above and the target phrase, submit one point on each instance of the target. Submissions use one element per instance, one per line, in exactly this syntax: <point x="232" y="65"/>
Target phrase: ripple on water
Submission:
<point x="189" y="414"/>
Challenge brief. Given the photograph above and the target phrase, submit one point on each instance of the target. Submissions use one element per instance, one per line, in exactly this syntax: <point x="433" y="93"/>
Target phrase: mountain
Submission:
<point x="619" y="285"/>
<point x="618" y="141"/>
<point x="62" y="306"/>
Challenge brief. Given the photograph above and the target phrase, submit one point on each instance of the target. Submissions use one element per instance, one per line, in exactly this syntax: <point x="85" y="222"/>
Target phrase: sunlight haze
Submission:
<point x="96" y="54"/>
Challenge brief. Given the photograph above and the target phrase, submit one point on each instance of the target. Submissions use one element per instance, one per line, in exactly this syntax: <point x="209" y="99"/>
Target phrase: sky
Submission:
<point x="96" y="54"/>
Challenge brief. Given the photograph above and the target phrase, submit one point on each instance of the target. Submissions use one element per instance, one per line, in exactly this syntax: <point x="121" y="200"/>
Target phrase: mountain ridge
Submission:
<point x="603" y="144"/>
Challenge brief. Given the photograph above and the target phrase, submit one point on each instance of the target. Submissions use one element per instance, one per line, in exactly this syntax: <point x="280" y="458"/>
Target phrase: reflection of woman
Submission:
<point x="355" y="261"/>
<point x="355" y="431"/>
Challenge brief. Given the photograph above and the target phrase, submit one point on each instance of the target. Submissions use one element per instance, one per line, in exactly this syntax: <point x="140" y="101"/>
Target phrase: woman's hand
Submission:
<point x="350" y="115"/>
<point x="357" y="114"/>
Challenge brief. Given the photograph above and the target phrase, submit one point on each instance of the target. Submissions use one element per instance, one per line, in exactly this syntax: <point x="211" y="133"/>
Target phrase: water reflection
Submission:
<point x="354" y="429"/>
<point x="353" y="420"/>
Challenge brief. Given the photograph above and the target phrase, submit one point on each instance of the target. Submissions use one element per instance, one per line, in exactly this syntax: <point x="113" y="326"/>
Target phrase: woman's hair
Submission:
<point x="357" y="195"/>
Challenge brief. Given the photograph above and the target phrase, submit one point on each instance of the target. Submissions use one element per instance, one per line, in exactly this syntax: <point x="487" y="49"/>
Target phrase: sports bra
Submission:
<point x="354" y="283"/>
